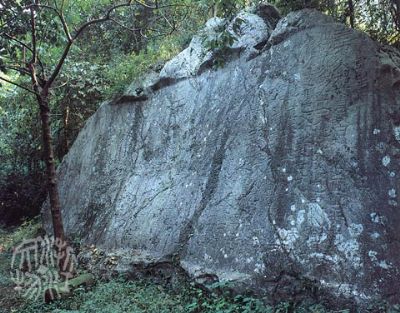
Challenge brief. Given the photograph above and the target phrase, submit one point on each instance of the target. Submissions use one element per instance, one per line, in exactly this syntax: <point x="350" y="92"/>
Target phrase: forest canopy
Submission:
<point x="104" y="59"/>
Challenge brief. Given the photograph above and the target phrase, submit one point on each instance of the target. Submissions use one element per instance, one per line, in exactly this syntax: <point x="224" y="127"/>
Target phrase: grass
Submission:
<point x="140" y="296"/>
<point x="119" y="296"/>
<point x="12" y="237"/>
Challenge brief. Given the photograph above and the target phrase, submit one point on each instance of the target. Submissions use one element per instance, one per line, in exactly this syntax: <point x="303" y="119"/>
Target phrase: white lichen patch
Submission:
<point x="350" y="246"/>
<point x="375" y="218"/>
<point x="386" y="160"/>
<point x="321" y="256"/>
<point x="355" y="230"/>
<point x="317" y="239"/>
<point x="392" y="193"/>
<point x="259" y="268"/>
<point x="373" y="256"/>
<point x="286" y="43"/>
<point x="396" y="131"/>
<point x="350" y="249"/>
<point x="301" y="217"/>
<point x="375" y="235"/>
<point x="316" y="216"/>
<point x="256" y="241"/>
<point x="349" y="291"/>
<point x="383" y="264"/>
<point x="288" y="237"/>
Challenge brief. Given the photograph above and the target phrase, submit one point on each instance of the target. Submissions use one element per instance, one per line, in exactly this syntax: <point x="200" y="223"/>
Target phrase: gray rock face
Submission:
<point x="276" y="173"/>
<point x="252" y="30"/>
<point x="195" y="57"/>
<point x="248" y="29"/>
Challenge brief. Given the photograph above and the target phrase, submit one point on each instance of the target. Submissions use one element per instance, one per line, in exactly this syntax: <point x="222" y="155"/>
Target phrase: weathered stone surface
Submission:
<point x="278" y="173"/>
<point x="195" y="57"/>
<point x="268" y="12"/>
<point x="251" y="30"/>
<point x="297" y="21"/>
<point x="144" y="86"/>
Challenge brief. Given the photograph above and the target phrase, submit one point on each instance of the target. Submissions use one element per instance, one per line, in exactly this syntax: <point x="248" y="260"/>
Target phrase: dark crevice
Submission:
<point x="209" y="190"/>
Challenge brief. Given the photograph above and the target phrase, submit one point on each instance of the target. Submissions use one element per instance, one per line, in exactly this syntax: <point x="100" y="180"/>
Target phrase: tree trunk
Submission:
<point x="65" y="262"/>
<point x="52" y="185"/>
<point x="396" y="13"/>
<point x="61" y="246"/>
<point x="351" y="12"/>
<point x="214" y="10"/>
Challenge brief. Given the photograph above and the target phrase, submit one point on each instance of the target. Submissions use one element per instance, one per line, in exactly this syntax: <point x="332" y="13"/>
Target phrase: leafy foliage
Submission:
<point x="144" y="297"/>
<point x="380" y="19"/>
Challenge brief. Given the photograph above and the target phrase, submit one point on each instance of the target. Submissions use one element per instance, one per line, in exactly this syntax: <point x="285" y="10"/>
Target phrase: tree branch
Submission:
<point x="17" y="40"/>
<point x="143" y="4"/>
<point x="157" y="6"/>
<point x="61" y="62"/>
<point x="19" y="86"/>
<point x="124" y="26"/>
<point x="33" y="31"/>
<point x="18" y="69"/>
<point x="60" y="15"/>
<point x="105" y="18"/>
<point x="24" y="45"/>
<point x="173" y="28"/>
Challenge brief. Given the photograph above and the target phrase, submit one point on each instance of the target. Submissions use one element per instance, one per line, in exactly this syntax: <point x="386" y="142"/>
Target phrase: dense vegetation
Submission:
<point x="119" y="295"/>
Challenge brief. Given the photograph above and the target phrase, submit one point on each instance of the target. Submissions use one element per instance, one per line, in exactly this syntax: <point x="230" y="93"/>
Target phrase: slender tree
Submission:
<point x="21" y="33"/>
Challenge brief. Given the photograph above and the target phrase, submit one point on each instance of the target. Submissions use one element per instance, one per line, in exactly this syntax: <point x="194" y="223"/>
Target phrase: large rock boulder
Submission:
<point x="279" y="173"/>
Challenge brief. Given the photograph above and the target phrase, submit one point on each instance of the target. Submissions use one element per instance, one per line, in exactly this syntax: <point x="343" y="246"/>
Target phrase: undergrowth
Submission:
<point x="140" y="296"/>
<point x="118" y="296"/>
<point x="11" y="238"/>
